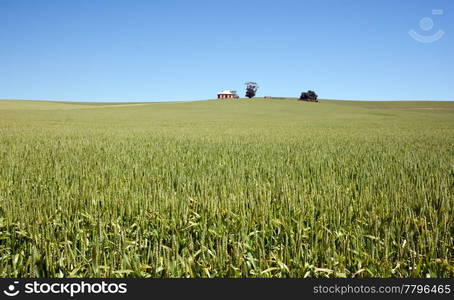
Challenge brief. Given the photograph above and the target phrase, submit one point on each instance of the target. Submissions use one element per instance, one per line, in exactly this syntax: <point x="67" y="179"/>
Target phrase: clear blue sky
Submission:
<point x="169" y="50"/>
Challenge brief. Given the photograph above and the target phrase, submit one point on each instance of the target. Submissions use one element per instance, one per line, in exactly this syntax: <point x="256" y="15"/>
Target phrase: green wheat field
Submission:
<point x="230" y="188"/>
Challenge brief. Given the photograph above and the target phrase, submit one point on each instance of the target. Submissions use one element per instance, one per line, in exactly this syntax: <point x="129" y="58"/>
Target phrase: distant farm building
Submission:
<point x="228" y="95"/>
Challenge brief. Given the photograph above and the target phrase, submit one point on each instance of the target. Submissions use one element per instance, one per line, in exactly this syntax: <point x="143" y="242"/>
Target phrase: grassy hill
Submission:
<point x="237" y="188"/>
<point x="223" y="112"/>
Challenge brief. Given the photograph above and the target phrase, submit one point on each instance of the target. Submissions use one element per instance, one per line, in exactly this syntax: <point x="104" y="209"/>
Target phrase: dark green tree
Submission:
<point x="309" y="96"/>
<point x="251" y="89"/>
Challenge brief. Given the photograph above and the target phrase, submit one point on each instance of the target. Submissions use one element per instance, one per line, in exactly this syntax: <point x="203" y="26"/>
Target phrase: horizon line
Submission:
<point x="211" y="99"/>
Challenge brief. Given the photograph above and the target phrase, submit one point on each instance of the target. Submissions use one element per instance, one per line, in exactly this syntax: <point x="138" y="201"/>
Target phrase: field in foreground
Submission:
<point x="236" y="188"/>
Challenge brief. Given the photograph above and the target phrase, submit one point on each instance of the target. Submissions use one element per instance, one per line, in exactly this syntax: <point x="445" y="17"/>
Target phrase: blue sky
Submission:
<point x="187" y="50"/>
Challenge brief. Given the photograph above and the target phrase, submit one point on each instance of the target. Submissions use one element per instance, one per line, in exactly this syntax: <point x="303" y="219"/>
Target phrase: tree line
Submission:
<point x="252" y="87"/>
